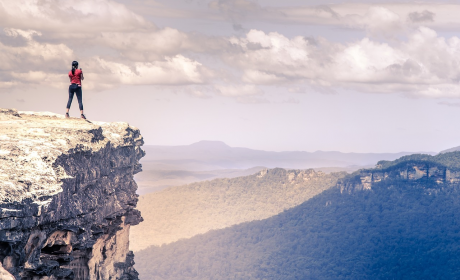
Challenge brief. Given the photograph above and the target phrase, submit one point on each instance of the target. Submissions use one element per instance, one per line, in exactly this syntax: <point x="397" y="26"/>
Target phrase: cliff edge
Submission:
<point x="67" y="197"/>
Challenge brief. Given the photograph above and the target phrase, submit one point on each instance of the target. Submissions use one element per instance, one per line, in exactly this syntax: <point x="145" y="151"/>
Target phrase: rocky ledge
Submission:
<point x="67" y="197"/>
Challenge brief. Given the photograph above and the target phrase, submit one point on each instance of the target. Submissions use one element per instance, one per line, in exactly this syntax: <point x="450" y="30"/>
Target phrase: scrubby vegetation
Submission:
<point x="399" y="229"/>
<point x="182" y="212"/>
<point x="446" y="159"/>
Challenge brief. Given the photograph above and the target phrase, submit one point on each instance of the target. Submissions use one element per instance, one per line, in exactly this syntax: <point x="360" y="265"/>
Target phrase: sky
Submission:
<point x="361" y="76"/>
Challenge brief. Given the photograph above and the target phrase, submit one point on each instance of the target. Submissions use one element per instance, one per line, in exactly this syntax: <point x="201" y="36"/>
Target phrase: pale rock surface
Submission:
<point x="67" y="197"/>
<point x="409" y="171"/>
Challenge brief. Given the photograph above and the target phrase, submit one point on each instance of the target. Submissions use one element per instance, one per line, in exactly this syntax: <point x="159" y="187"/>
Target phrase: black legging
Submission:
<point x="74" y="88"/>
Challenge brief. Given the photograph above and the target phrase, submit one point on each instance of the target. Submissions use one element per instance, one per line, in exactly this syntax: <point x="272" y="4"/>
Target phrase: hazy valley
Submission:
<point x="207" y="186"/>
<point x="398" y="221"/>
<point x="185" y="211"/>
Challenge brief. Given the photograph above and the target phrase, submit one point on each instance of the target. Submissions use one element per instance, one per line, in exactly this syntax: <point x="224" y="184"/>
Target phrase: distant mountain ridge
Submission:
<point x="454" y="149"/>
<point x="218" y="155"/>
<point x="398" y="221"/>
<point x="167" y="166"/>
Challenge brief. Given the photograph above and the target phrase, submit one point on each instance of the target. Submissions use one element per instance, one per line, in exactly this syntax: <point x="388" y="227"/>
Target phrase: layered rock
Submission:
<point x="405" y="171"/>
<point x="67" y="197"/>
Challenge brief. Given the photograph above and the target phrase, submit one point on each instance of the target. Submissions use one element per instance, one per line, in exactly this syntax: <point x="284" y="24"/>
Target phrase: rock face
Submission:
<point x="406" y="171"/>
<point x="67" y="197"/>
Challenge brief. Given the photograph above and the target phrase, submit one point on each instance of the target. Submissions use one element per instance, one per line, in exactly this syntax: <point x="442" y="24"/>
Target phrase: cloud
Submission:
<point x="88" y="16"/>
<point x="8" y="84"/>
<point x="425" y="16"/>
<point x="127" y="48"/>
<point x="32" y="62"/>
<point x="41" y="78"/>
<point x="260" y="77"/>
<point x="346" y="14"/>
<point x="177" y="70"/>
<point x="32" y="54"/>
<point x="238" y="27"/>
<point x="424" y="65"/>
<point x="380" y="21"/>
<point x="101" y="23"/>
<point x="152" y="45"/>
<point x="174" y="70"/>
<point x="148" y="45"/>
<point x="236" y="10"/>
<point x="376" y="18"/>
<point x="116" y="47"/>
<point x="42" y="64"/>
<point x="276" y="59"/>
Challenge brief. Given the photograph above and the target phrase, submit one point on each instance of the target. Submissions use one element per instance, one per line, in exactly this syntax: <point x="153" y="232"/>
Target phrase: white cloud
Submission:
<point x="130" y="50"/>
<point x="33" y="54"/>
<point x="32" y="62"/>
<point x="173" y="70"/>
<point x="39" y="63"/>
<point x="277" y="58"/>
<point x="102" y="23"/>
<point x="42" y="78"/>
<point x="424" y="65"/>
<point x="380" y="21"/>
<point x="72" y="17"/>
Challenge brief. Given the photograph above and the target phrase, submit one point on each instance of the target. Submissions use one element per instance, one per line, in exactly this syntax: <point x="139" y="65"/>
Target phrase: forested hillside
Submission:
<point x="392" y="227"/>
<point x="185" y="211"/>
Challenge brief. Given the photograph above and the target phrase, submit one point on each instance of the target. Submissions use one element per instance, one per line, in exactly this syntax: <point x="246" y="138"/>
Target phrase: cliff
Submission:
<point x="67" y="197"/>
<point x="440" y="170"/>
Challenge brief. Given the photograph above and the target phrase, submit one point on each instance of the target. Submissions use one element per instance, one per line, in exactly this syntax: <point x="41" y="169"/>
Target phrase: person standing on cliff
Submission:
<point x="75" y="76"/>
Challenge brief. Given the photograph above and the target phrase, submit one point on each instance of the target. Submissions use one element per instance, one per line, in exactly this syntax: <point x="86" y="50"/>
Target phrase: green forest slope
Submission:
<point x="185" y="211"/>
<point x="398" y="229"/>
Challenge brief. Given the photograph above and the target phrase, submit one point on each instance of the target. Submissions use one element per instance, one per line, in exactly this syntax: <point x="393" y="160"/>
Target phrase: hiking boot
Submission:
<point x="67" y="115"/>
<point x="83" y="117"/>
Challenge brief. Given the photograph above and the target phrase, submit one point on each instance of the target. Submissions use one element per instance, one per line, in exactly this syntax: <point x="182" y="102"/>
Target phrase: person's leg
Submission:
<point x="80" y="101"/>
<point x="69" y="102"/>
<point x="80" y="98"/>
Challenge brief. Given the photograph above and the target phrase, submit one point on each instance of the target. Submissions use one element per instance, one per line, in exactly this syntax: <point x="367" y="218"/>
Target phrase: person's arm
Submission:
<point x="82" y="78"/>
